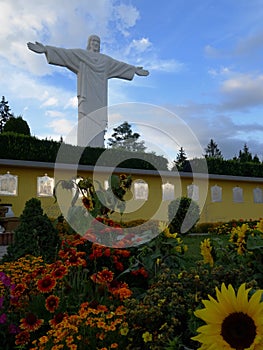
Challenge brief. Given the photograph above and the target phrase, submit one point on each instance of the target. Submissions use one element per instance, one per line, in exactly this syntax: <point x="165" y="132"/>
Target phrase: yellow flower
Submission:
<point x="180" y="275"/>
<point x="238" y="237"/>
<point x="232" y="321"/>
<point x="206" y="250"/>
<point x="124" y="331"/>
<point x="259" y="225"/>
<point x="147" y="337"/>
<point x="161" y="301"/>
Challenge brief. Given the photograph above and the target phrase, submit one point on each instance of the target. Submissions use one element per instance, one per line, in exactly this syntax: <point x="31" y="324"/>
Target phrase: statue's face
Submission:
<point x="94" y="44"/>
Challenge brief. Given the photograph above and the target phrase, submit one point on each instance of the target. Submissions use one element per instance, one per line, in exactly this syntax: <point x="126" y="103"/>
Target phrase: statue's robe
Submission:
<point x="93" y="70"/>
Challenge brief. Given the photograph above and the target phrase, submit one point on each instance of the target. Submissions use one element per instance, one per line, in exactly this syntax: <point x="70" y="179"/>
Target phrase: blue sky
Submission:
<point x="205" y="59"/>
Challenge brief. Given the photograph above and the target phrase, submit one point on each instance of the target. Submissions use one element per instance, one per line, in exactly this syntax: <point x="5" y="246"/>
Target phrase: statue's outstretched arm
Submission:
<point x="37" y="47"/>
<point x="141" y="71"/>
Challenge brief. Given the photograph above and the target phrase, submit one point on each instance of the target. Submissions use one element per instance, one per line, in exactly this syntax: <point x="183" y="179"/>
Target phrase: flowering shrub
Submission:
<point x="45" y="293"/>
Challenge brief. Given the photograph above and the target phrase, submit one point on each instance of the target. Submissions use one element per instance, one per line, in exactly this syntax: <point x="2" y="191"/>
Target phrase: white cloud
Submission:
<point x="61" y="126"/>
<point x="72" y="103"/>
<point x="54" y="114"/>
<point x="138" y="46"/>
<point x="51" y="101"/>
<point x="242" y="91"/>
<point x="162" y="65"/>
<point x="126" y="16"/>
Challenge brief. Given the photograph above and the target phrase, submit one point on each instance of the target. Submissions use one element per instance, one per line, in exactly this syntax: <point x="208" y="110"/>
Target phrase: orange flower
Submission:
<point x="120" y="290"/>
<point x="114" y="346"/>
<point x="46" y="284"/>
<point x="30" y="323"/>
<point x="22" y="338"/>
<point x="52" y="303"/>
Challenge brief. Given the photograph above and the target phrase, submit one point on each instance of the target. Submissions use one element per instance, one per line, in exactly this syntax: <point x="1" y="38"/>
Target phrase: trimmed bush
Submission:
<point x="183" y="214"/>
<point x="35" y="235"/>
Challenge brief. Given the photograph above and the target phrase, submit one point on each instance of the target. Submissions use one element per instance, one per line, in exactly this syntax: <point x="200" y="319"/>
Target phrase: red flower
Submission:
<point x="52" y="303"/>
<point x="57" y="319"/>
<point x="18" y="290"/>
<point x="119" y="266"/>
<point x="30" y="323"/>
<point x="46" y="284"/>
<point x="59" y="272"/>
<point x="107" y="252"/>
<point x="76" y="260"/>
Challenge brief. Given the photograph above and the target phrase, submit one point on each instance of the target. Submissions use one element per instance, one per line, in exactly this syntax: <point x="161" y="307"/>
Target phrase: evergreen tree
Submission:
<point x="256" y="159"/>
<point x="124" y="138"/>
<point x="212" y="150"/>
<point x="180" y="160"/>
<point x="5" y="113"/>
<point x="244" y="155"/>
<point x="17" y="125"/>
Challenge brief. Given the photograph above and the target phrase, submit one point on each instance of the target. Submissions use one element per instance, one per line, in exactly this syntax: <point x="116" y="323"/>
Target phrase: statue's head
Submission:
<point x="94" y="43"/>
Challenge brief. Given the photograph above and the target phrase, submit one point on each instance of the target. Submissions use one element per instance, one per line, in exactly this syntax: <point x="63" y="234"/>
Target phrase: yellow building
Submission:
<point x="221" y="198"/>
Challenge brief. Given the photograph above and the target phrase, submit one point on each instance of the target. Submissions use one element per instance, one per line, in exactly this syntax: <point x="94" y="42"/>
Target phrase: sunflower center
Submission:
<point x="238" y="330"/>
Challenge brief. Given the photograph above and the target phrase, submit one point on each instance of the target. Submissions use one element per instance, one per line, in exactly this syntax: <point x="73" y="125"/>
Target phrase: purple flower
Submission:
<point x="13" y="329"/>
<point x="1" y="302"/>
<point x="3" y="318"/>
<point x="5" y="279"/>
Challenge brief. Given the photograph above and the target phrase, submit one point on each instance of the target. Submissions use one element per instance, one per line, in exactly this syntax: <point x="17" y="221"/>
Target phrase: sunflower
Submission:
<point x="232" y="321"/>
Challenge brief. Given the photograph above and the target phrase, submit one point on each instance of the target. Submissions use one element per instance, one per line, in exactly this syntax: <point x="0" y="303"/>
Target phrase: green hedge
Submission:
<point x="21" y="147"/>
<point x="224" y="167"/>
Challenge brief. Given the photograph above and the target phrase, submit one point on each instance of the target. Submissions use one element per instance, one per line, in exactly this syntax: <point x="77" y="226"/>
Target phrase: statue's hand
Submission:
<point x="141" y="71"/>
<point x="37" y="47"/>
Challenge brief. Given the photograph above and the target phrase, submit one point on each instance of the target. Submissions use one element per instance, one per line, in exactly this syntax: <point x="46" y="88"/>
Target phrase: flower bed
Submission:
<point x="148" y="296"/>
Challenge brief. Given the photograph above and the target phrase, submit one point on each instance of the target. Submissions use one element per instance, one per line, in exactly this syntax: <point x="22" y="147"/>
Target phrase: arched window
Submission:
<point x="168" y="191"/>
<point x="45" y="186"/>
<point x="216" y="193"/>
<point x="8" y="184"/>
<point x="140" y="189"/>
<point x="258" y="195"/>
<point x="193" y="192"/>
<point x="238" y="194"/>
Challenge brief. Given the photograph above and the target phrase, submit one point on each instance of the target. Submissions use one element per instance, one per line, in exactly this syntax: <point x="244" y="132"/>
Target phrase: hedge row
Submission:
<point x="224" y="167"/>
<point x="21" y="147"/>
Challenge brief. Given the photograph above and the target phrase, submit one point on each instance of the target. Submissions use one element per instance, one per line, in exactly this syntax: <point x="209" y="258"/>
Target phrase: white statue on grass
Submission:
<point x="93" y="70"/>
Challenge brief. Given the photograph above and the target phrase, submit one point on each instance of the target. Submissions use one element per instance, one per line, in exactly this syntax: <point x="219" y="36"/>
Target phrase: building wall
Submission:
<point x="152" y="208"/>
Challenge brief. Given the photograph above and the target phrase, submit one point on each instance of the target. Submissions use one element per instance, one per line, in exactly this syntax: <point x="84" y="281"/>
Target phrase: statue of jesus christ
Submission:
<point x="93" y="70"/>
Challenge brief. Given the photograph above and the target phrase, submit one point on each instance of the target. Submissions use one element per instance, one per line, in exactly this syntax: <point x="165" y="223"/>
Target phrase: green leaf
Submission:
<point x="255" y="242"/>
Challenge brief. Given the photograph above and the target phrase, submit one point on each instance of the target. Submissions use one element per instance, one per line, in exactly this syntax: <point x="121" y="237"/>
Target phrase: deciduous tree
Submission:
<point x="124" y="138"/>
